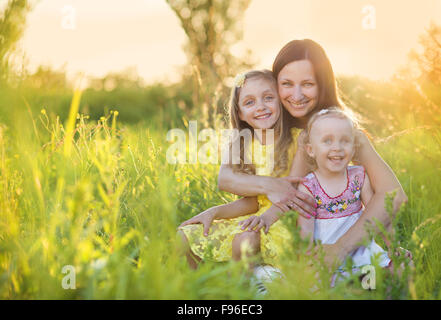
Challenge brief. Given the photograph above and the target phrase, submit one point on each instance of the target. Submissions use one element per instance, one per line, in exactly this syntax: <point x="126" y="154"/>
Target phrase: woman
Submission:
<point x="306" y="84"/>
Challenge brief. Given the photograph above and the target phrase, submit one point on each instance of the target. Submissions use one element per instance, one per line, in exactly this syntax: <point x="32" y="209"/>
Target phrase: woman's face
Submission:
<point x="298" y="89"/>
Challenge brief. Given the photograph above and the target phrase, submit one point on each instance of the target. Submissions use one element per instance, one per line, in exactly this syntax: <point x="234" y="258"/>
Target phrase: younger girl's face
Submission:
<point x="331" y="144"/>
<point x="259" y="103"/>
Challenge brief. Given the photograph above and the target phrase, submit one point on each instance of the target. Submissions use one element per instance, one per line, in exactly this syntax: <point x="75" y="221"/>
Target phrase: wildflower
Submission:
<point x="239" y="80"/>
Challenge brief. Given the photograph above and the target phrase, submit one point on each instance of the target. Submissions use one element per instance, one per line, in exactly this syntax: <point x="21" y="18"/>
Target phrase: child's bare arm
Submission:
<point x="306" y="225"/>
<point x="230" y="210"/>
<point x="270" y="216"/>
<point x="240" y="207"/>
<point x="265" y="220"/>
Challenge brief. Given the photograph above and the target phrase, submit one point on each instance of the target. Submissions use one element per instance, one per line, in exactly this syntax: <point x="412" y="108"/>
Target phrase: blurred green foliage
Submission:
<point x="12" y="24"/>
<point x="156" y="104"/>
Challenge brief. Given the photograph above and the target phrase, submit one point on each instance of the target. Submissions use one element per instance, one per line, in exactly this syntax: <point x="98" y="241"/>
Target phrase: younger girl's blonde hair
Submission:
<point x="281" y="130"/>
<point x="332" y="112"/>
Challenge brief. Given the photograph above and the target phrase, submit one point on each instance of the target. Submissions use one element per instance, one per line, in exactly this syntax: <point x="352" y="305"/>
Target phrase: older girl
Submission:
<point x="215" y="233"/>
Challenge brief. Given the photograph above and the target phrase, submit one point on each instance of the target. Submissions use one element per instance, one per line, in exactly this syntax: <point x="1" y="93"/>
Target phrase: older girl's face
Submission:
<point x="298" y="89"/>
<point x="259" y="103"/>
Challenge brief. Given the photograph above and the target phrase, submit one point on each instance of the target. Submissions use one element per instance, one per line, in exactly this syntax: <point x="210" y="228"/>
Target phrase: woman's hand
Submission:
<point x="206" y="218"/>
<point x="279" y="191"/>
<point x="284" y="195"/>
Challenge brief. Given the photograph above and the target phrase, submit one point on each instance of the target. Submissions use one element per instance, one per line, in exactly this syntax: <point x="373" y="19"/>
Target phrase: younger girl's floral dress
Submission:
<point x="217" y="246"/>
<point x="335" y="215"/>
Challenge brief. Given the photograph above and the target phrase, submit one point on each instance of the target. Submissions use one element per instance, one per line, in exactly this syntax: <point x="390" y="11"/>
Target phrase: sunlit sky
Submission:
<point x="111" y="35"/>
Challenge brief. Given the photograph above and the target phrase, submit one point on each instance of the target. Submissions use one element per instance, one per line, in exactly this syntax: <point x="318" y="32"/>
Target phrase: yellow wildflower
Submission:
<point x="239" y="80"/>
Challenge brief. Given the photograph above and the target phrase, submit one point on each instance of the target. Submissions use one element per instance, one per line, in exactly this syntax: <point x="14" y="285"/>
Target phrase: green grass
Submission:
<point x="108" y="203"/>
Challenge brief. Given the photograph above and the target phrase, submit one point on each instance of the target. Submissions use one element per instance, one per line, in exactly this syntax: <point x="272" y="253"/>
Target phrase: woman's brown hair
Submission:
<point x="307" y="49"/>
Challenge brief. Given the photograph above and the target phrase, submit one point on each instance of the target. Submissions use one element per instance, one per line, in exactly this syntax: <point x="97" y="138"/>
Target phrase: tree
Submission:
<point x="429" y="60"/>
<point x="428" y="65"/>
<point x="212" y="27"/>
<point x="12" y="23"/>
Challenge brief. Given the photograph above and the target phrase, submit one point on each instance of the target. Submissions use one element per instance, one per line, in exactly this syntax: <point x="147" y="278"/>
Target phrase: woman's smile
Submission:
<point x="298" y="105"/>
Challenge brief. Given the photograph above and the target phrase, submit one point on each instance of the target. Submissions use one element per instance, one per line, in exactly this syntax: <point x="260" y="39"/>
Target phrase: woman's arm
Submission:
<point x="306" y="225"/>
<point x="382" y="178"/>
<point x="242" y="184"/>
<point x="279" y="191"/>
<point x="271" y="215"/>
<point x="366" y="191"/>
<point x="383" y="181"/>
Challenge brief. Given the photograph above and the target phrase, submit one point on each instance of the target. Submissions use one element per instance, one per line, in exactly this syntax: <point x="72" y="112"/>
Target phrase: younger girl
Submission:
<point x="340" y="190"/>
<point x="254" y="105"/>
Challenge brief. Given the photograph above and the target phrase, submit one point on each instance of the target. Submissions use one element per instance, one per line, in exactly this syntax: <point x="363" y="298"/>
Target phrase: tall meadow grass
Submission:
<point x="101" y="197"/>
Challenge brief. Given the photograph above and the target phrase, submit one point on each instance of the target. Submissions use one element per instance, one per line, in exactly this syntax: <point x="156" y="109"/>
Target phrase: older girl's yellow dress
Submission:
<point x="217" y="246"/>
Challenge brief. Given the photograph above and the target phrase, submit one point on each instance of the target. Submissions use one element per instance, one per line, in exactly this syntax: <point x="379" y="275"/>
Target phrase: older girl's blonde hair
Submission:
<point x="281" y="130"/>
